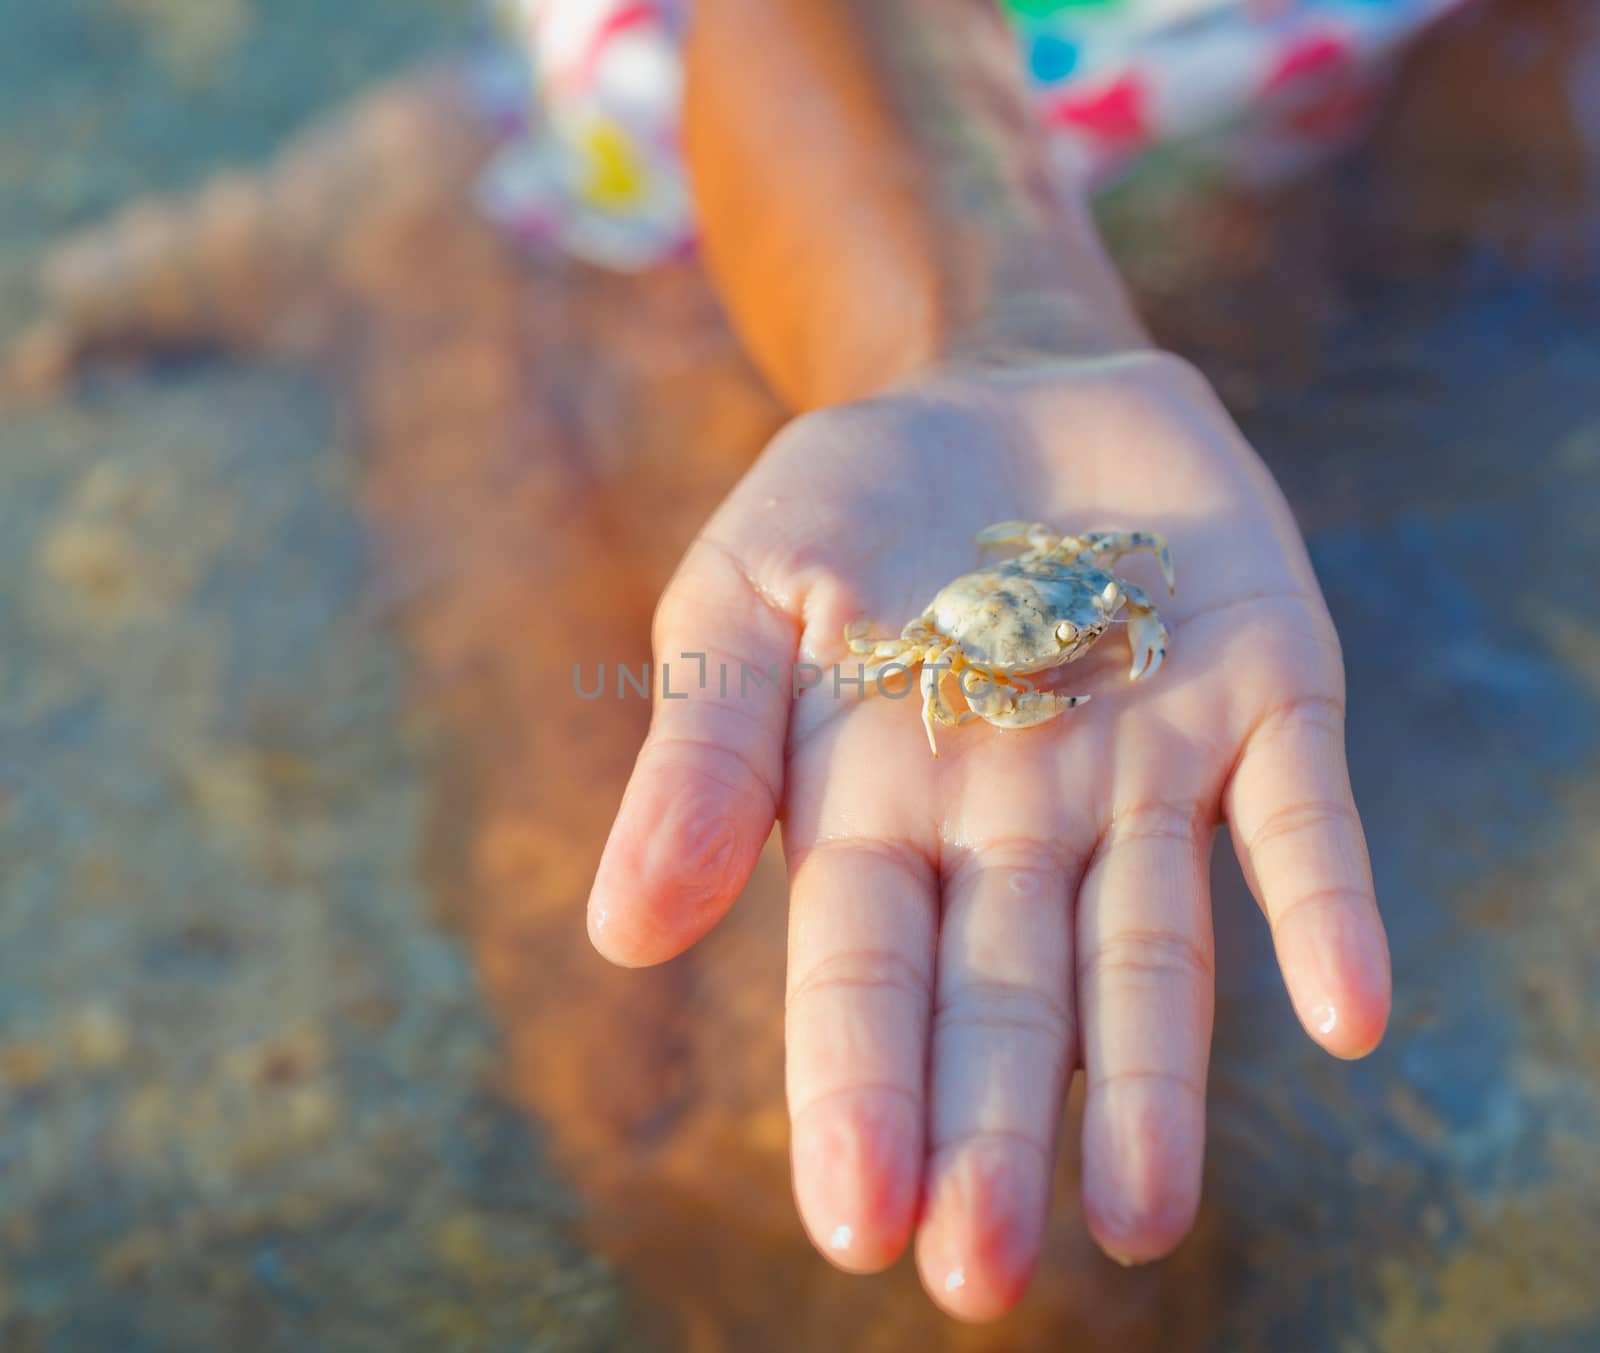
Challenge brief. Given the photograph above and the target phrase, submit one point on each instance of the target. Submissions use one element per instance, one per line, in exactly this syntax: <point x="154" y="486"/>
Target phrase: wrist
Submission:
<point x="1013" y="288"/>
<point x="1051" y="291"/>
<point x="984" y="301"/>
<point x="1043" y="303"/>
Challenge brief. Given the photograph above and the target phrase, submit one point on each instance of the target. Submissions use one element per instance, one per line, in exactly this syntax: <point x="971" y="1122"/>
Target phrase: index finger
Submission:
<point x="704" y="791"/>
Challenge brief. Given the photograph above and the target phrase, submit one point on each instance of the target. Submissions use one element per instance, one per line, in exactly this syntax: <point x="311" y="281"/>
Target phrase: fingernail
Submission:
<point x="856" y="1175"/>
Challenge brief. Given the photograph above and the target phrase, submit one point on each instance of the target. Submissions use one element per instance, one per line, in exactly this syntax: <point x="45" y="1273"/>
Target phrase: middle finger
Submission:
<point x="1004" y="1045"/>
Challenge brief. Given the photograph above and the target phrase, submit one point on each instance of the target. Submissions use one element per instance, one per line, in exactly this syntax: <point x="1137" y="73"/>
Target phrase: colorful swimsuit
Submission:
<point x="587" y="93"/>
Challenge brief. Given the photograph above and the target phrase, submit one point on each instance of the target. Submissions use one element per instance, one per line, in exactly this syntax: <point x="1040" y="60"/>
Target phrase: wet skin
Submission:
<point x="966" y="932"/>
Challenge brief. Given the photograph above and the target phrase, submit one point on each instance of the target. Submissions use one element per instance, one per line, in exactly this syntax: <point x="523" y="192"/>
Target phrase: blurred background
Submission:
<point x="311" y="483"/>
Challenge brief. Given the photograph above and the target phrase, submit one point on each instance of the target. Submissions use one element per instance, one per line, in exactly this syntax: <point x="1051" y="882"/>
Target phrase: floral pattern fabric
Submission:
<point x="587" y="94"/>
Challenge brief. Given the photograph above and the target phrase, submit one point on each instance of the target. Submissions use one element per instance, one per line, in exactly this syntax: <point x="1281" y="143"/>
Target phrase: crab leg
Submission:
<point x="902" y="655"/>
<point x="1109" y="546"/>
<point x="933" y="706"/>
<point x="859" y="640"/>
<point x="884" y="655"/>
<point x="1105" y="547"/>
<point x="1039" y="538"/>
<point x="873" y="672"/>
<point x="1147" y="633"/>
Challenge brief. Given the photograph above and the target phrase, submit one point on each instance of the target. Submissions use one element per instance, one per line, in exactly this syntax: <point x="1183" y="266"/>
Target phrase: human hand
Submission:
<point x="967" y="931"/>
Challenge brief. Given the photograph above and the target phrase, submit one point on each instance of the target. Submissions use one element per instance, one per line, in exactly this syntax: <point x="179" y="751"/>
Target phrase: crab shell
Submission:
<point x="1025" y="615"/>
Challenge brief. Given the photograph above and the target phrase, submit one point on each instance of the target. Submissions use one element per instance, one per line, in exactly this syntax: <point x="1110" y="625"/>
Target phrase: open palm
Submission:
<point x="967" y="931"/>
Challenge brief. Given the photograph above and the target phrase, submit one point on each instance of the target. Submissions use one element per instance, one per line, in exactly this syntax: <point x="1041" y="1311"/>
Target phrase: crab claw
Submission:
<point x="1147" y="635"/>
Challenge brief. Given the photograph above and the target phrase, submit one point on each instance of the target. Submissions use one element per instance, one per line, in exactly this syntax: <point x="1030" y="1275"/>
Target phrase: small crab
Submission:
<point x="1041" y="609"/>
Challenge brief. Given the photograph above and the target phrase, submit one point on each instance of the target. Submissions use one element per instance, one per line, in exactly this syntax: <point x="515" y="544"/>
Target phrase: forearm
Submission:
<point x="874" y="196"/>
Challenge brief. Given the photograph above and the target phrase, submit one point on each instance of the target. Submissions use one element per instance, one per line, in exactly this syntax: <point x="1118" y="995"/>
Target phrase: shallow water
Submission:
<point x="300" y="1039"/>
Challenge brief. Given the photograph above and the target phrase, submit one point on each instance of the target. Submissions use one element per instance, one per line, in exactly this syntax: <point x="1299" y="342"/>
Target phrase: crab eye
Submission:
<point x="1066" y="631"/>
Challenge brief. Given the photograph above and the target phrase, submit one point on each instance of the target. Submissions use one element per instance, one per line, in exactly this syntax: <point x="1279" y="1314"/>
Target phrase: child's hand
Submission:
<point x="966" y="931"/>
